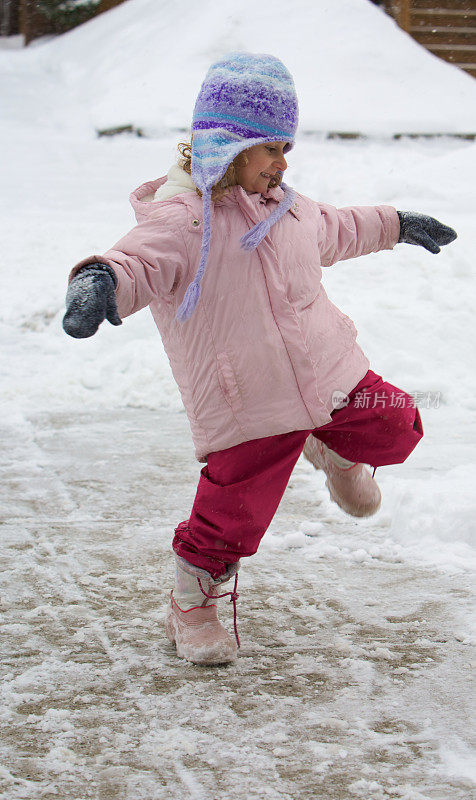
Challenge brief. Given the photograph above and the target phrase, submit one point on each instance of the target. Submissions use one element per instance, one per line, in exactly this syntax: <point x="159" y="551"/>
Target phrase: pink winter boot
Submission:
<point x="350" y="485"/>
<point x="191" y="621"/>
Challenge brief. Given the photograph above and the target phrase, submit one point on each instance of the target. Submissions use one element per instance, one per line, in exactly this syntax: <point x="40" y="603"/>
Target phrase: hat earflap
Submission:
<point x="192" y="295"/>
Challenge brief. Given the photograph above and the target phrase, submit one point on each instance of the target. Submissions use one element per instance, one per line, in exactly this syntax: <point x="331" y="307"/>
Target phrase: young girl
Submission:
<point x="229" y="260"/>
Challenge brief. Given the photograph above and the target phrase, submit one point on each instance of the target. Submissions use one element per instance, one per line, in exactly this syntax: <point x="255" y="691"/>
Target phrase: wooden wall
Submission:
<point x="445" y="27"/>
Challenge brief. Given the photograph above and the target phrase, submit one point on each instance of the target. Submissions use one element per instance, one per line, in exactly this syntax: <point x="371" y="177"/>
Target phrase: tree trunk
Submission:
<point x="32" y="23"/>
<point x="105" y="5"/>
<point x="9" y="17"/>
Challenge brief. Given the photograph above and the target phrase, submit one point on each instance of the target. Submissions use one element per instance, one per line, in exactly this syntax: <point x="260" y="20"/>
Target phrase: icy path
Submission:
<point x="351" y="681"/>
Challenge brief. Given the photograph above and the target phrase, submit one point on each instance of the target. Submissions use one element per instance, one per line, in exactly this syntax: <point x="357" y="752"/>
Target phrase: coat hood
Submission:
<point x="144" y="199"/>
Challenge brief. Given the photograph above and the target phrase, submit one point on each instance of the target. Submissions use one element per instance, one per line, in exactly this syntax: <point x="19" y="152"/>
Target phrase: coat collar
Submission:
<point x="236" y="194"/>
<point x="142" y="198"/>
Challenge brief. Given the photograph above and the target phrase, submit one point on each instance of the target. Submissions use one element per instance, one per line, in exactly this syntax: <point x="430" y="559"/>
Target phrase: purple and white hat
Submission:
<point x="245" y="100"/>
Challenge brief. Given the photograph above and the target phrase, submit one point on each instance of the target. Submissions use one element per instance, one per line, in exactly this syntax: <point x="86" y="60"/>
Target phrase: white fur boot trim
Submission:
<point x="187" y="593"/>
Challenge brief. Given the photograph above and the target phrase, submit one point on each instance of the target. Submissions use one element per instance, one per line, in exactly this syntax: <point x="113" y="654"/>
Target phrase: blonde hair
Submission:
<point x="229" y="178"/>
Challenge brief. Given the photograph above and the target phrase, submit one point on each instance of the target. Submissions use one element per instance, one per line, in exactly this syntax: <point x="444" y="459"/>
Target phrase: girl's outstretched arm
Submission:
<point x="359" y="230"/>
<point x="150" y="261"/>
<point x="355" y="231"/>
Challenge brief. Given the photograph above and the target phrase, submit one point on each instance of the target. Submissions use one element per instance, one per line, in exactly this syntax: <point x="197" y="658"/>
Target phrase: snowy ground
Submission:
<point x="353" y="680"/>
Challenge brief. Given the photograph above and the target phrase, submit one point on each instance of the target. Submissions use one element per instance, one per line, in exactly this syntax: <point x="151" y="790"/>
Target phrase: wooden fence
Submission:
<point x="22" y="16"/>
<point x="445" y="27"/>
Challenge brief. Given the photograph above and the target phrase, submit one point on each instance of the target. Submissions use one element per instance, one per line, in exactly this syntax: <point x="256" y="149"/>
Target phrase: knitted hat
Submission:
<point x="244" y="100"/>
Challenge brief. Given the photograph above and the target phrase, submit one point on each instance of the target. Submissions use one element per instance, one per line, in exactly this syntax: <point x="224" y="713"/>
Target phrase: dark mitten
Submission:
<point x="425" y="231"/>
<point x="90" y="299"/>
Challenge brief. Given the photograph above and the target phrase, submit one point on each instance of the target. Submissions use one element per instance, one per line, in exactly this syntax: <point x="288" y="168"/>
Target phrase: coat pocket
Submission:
<point x="303" y="284"/>
<point x="344" y="333"/>
<point x="347" y="322"/>
<point x="228" y="383"/>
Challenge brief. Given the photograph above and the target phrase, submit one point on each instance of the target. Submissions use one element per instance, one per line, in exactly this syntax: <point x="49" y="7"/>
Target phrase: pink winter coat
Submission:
<point x="265" y="349"/>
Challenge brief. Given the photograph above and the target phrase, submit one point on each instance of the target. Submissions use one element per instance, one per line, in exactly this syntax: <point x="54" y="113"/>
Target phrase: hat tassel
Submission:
<point x="251" y="240"/>
<point x="192" y="295"/>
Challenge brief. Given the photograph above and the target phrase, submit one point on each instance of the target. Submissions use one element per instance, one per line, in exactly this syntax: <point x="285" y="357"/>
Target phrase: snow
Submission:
<point x="354" y="69"/>
<point x="352" y="681"/>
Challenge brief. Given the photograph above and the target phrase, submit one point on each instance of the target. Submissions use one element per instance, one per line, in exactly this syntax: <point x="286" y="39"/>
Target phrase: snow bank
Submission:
<point x="355" y="69"/>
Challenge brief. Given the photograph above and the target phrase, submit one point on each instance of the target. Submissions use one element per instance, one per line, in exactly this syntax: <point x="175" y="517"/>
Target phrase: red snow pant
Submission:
<point x="240" y="488"/>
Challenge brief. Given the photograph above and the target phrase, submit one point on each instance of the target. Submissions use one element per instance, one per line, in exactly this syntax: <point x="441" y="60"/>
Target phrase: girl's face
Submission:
<point x="264" y="161"/>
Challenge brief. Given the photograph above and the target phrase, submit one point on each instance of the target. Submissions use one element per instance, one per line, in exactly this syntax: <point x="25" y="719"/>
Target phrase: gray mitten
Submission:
<point x="90" y="299"/>
<point x="425" y="231"/>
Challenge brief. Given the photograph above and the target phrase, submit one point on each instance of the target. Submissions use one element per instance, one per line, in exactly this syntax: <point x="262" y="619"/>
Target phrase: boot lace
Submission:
<point x="233" y="595"/>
